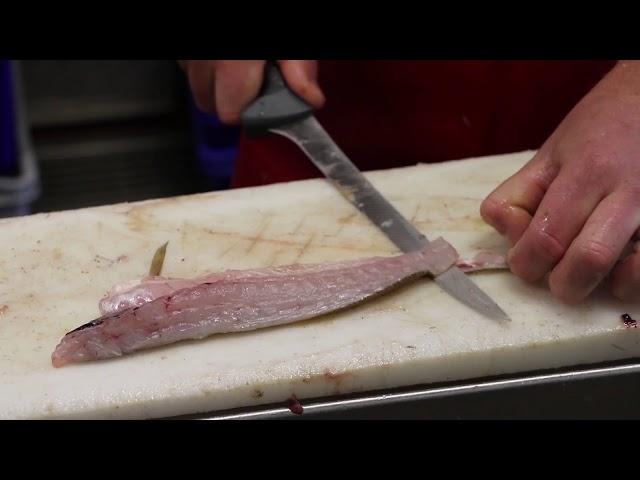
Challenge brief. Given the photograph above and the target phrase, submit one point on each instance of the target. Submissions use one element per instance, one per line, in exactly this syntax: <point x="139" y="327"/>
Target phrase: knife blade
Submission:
<point x="280" y="111"/>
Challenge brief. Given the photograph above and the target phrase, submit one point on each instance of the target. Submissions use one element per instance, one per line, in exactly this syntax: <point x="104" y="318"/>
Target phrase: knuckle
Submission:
<point x="596" y="256"/>
<point x="598" y="163"/>
<point x="548" y="244"/>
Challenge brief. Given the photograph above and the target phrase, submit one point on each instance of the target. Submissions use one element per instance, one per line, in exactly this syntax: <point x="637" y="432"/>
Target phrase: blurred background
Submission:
<point x="84" y="133"/>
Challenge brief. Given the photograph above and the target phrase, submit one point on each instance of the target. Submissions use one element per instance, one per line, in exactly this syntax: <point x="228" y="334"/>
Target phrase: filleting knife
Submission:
<point x="279" y="110"/>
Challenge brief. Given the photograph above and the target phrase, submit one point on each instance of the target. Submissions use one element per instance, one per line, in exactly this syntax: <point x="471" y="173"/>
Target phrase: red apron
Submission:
<point x="395" y="113"/>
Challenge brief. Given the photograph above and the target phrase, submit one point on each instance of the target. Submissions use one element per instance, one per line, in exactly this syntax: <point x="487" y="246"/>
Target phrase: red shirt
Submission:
<point x="395" y="113"/>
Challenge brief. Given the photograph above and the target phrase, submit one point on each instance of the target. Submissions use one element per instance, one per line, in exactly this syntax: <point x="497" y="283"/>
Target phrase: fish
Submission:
<point x="244" y="300"/>
<point x="138" y="292"/>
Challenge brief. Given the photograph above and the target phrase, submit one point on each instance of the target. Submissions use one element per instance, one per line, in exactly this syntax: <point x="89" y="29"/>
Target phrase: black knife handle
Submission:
<point x="276" y="104"/>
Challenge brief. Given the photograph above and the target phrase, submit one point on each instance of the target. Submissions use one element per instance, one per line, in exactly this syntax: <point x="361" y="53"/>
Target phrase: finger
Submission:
<point x="301" y="76"/>
<point x="625" y="278"/>
<point x="510" y="207"/>
<point x="237" y="83"/>
<point x="200" y="74"/>
<point x="597" y="248"/>
<point x="560" y="217"/>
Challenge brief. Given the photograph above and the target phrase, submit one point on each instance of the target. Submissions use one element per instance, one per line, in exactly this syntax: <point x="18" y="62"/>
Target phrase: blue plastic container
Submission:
<point x="8" y="133"/>
<point x="19" y="174"/>
<point x="216" y="148"/>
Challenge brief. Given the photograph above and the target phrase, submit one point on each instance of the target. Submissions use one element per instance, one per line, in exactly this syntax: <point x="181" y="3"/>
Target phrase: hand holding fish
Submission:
<point x="572" y="210"/>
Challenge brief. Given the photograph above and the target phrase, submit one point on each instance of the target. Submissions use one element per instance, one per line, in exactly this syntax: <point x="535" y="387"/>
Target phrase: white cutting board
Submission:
<point x="55" y="267"/>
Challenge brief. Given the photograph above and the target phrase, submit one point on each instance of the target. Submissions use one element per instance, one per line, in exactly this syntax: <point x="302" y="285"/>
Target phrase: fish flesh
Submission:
<point x="139" y="292"/>
<point x="243" y="300"/>
<point x="484" y="260"/>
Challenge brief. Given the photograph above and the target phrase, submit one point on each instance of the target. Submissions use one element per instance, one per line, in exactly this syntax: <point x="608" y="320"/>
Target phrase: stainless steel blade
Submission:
<point x="309" y="135"/>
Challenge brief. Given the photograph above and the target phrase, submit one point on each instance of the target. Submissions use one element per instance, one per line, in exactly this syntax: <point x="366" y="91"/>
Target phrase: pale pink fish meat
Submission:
<point x="139" y="292"/>
<point x="237" y="301"/>
<point x="485" y="260"/>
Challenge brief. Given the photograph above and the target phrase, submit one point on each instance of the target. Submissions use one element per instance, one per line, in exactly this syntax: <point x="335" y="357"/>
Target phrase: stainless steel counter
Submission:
<point x="605" y="391"/>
